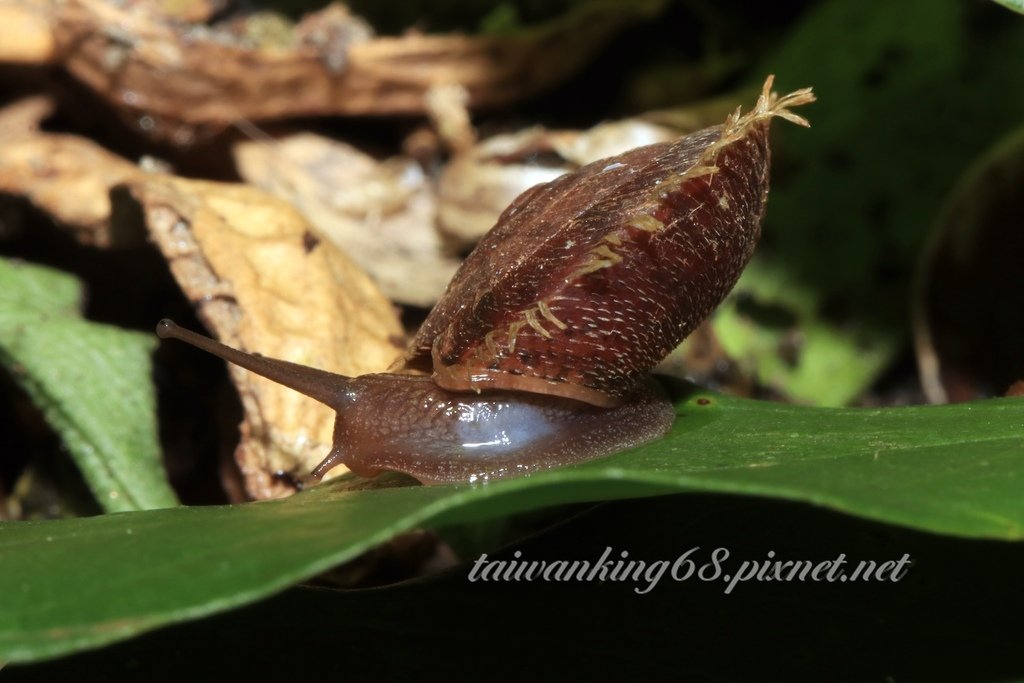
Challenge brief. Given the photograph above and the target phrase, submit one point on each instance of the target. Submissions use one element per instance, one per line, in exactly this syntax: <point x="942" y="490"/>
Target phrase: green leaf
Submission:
<point x="590" y="628"/>
<point x="772" y="310"/>
<point x="78" y="583"/>
<point x="91" y="381"/>
<point x="1015" y="5"/>
<point x="903" y="106"/>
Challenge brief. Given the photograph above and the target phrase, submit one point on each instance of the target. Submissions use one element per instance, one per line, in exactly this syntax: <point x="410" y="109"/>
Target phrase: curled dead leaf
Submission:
<point x="171" y="78"/>
<point x="26" y="36"/>
<point x="475" y="187"/>
<point x="380" y="213"/>
<point x="259" y="283"/>
<point x="66" y="176"/>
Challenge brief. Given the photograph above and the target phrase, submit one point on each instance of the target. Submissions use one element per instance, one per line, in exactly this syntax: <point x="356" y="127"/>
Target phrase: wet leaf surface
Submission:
<point x="912" y="629"/>
<point x="888" y="465"/>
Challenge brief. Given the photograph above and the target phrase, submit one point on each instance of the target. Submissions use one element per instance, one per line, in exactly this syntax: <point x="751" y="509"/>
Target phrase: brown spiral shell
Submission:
<point x="588" y="281"/>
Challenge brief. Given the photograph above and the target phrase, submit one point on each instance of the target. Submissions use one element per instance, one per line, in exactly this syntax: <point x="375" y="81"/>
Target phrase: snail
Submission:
<point x="538" y="355"/>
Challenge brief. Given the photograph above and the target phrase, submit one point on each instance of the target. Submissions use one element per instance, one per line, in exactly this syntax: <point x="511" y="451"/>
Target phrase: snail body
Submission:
<point x="539" y="351"/>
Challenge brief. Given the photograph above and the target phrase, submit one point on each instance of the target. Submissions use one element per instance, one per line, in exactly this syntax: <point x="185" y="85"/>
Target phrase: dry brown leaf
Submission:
<point x="194" y="11"/>
<point x="26" y="36"/>
<point x="446" y="109"/>
<point x="380" y="213"/>
<point x="23" y="118"/>
<point x="66" y="176"/>
<point x="262" y="283"/>
<point x="475" y="187"/>
<point x="171" y="79"/>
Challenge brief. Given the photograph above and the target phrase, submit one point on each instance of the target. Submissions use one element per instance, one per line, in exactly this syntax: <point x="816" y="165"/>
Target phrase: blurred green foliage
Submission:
<point x="909" y="93"/>
<point x="92" y="382"/>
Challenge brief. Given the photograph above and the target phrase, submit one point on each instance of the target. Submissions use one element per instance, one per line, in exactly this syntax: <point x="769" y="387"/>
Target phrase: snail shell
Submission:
<point x="539" y="351"/>
<point x="589" y="281"/>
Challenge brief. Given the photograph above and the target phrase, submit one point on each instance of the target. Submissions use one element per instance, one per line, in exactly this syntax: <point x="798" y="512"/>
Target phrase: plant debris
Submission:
<point x="244" y="259"/>
<point x="380" y="213"/>
<point x="174" y="80"/>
